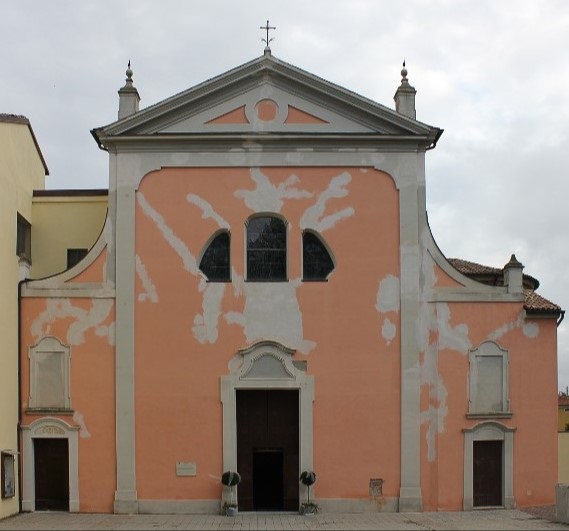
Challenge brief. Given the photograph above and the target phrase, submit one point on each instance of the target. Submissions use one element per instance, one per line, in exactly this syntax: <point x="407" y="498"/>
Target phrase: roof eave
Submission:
<point x="371" y="141"/>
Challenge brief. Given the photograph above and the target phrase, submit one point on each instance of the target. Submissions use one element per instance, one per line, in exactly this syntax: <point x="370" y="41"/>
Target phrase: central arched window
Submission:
<point x="266" y="248"/>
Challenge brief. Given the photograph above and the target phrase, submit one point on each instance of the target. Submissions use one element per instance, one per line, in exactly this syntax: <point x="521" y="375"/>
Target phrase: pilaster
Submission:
<point x="125" y="495"/>
<point x="410" y="497"/>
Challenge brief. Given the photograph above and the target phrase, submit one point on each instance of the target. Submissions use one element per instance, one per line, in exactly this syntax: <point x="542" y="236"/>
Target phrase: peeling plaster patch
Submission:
<point x="150" y="289"/>
<point x="79" y="419"/>
<point x="106" y="331"/>
<point x="205" y="325"/>
<point x="235" y="318"/>
<point x="313" y="217"/>
<point x="454" y="338"/>
<point x="434" y="416"/>
<point x="84" y="320"/>
<point x="267" y="197"/>
<point x="508" y="327"/>
<point x="207" y="210"/>
<point x="235" y="363"/>
<point x="100" y="310"/>
<point x="176" y="243"/>
<point x="435" y="318"/>
<point x="237" y="282"/>
<point x="388" y="330"/>
<point x="272" y="312"/>
<point x="388" y="295"/>
<point x="271" y="309"/>
<point x="531" y="330"/>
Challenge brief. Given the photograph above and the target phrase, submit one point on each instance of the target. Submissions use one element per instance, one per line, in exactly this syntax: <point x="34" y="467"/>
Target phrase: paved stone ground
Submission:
<point x="500" y="519"/>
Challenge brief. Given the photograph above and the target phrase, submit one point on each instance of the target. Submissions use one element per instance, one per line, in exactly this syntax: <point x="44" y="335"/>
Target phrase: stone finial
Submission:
<point x="405" y="96"/>
<point x="513" y="276"/>
<point x="128" y="96"/>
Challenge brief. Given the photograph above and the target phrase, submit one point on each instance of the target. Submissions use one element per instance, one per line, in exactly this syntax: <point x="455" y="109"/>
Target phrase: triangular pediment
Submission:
<point x="265" y="107"/>
<point x="266" y="96"/>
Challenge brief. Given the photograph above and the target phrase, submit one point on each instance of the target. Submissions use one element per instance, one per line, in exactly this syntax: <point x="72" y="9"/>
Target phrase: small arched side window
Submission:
<point x="317" y="263"/>
<point x="266" y="249"/>
<point x="215" y="263"/>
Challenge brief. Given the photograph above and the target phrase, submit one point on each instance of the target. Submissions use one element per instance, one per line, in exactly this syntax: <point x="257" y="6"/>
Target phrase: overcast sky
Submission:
<point x="494" y="74"/>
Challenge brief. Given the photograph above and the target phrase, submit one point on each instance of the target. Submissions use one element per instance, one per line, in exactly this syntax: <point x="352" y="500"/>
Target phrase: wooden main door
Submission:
<point x="51" y="462"/>
<point x="268" y="449"/>
<point x="487" y="474"/>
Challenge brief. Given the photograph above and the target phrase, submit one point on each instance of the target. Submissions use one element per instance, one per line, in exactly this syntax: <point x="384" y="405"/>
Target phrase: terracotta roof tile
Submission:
<point x="472" y="268"/>
<point x="562" y="399"/>
<point x="494" y="276"/>
<point x="537" y="303"/>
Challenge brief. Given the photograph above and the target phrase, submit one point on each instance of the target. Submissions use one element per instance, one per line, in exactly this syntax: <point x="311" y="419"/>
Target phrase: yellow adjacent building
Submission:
<point x="43" y="232"/>
<point x="22" y="170"/>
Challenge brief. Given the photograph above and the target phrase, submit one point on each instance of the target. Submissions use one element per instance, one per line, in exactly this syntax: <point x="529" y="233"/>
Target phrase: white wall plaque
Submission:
<point x="185" y="469"/>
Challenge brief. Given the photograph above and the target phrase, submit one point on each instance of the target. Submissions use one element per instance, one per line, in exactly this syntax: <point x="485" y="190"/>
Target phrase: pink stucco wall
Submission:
<point x="188" y="332"/>
<point x="532" y="392"/>
<point x="92" y="387"/>
<point x="357" y="390"/>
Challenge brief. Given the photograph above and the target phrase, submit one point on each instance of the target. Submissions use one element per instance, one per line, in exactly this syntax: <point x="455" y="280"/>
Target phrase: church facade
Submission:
<point x="266" y="298"/>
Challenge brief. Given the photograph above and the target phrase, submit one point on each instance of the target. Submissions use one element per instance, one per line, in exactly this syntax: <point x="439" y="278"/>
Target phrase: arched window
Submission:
<point x="266" y="248"/>
<point x="317" y="263"/>
<point x="215" y="263"/>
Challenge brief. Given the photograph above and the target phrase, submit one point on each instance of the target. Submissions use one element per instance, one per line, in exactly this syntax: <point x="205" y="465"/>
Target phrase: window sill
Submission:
<point x="49" y="410"/>
<point x="265" y="280"/>
<point x="493" y="415"/>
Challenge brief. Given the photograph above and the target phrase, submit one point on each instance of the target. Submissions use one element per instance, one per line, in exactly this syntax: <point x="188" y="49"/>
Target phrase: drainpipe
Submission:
<point x="18" y="438"/>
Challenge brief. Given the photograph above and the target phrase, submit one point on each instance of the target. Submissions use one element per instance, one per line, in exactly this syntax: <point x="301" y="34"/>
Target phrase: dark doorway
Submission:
<point x="267" y="449"/>
<point x="487" y="474"/>
<point x="51" y="461"/>
<point x="268" y="480"/>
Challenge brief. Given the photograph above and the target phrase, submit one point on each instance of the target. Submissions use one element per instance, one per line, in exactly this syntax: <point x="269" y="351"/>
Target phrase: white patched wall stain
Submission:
<point x="388" y="299"/>
<point x="79" y="419"/>
<point x="149" y="288"/>
<point x="436" y="317"/>
<point x="530" y="329"/>
<point x="83" y="320"/>
<point x="270" y="309"/>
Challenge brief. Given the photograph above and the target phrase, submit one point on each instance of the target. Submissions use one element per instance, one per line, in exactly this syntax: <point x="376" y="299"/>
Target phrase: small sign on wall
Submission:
<point x="8" y="482"/>
<point x="184" y="468"/>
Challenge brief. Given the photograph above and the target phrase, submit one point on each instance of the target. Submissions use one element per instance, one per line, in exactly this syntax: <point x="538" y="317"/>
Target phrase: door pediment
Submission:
<point x="267" y="360"/>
